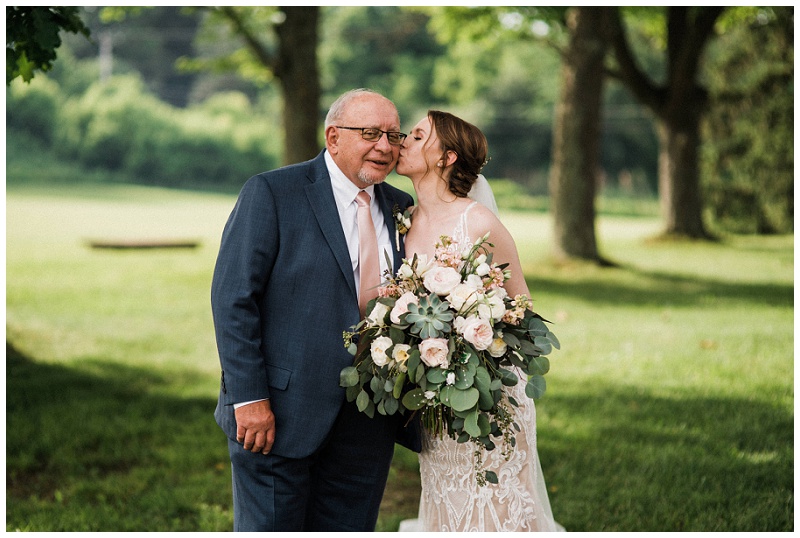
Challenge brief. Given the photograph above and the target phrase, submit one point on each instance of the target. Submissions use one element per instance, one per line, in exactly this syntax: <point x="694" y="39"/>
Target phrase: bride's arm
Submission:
<point x="504" y="250"/>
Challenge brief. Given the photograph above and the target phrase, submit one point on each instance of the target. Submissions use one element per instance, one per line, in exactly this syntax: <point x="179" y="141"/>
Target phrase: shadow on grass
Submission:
<point x="90" y="452"/>
<point x="106" y="452"/>
<point x="660" y="288"/>
<point x="628" y="461"/>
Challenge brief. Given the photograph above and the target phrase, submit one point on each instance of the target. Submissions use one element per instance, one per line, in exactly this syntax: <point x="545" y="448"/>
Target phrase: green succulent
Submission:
<point x="430" y="318"/>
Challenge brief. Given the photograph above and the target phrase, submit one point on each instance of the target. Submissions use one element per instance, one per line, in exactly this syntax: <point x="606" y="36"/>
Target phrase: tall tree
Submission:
<point x="291" y="57"/>
<point x="576" y="136"/>
<point x="678" y="102"/>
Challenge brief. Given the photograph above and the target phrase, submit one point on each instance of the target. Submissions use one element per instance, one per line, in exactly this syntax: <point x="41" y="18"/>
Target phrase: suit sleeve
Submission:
<point x="244" y="264"/>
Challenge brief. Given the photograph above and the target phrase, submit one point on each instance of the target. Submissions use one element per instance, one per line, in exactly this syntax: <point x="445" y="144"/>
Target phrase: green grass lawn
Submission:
<point x="669" y="407"/>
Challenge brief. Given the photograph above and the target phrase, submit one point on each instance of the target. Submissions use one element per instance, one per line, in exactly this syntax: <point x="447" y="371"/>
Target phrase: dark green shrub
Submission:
<point x="33" y="108"/>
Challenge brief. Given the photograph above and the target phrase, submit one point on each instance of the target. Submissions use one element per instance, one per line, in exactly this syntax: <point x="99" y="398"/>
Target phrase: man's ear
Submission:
<point x="332" y="139"/>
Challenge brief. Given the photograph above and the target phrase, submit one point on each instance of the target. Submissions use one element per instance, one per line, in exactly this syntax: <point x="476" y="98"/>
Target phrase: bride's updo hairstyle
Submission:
<point x="467" y="142"/>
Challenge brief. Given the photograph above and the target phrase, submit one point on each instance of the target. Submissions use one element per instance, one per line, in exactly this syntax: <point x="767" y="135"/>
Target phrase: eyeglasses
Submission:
<point x="371" y="134"/>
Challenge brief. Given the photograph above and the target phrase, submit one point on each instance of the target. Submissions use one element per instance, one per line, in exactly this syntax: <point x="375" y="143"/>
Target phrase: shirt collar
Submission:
<point x="344" y="190"/>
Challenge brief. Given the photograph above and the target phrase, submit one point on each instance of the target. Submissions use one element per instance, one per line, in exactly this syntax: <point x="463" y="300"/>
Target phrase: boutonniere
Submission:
<point x="402" y="223"/>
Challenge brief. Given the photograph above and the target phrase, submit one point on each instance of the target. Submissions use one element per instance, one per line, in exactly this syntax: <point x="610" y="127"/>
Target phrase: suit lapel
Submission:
<point x="320" y="196"/>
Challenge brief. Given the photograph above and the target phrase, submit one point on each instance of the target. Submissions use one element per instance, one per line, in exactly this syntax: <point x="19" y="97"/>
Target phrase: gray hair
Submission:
<point x="337" y="108"/>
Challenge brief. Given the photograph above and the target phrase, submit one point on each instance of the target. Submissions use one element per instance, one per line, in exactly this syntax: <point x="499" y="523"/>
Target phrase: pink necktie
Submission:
<point x="368" y="265"/>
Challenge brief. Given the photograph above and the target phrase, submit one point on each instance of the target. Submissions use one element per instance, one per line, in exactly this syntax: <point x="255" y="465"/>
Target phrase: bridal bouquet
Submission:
<point x="442" y="339"/>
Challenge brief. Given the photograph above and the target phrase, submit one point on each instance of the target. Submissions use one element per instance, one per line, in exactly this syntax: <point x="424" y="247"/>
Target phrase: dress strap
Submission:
<point x="461" y="233"/>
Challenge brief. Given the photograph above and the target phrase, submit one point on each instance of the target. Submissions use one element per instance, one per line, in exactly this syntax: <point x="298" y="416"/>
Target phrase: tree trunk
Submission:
<point x="298" y="74"/>
<point x="679" y="177"/>
<point x="679" y="105"/>
<point x="576" y="137"/>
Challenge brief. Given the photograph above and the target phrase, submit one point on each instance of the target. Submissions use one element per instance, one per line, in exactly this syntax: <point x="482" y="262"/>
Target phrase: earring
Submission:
<point x="439" y="164"/>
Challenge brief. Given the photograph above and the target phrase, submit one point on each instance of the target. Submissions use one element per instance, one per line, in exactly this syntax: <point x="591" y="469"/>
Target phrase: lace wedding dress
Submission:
<point x="452" y="500"/>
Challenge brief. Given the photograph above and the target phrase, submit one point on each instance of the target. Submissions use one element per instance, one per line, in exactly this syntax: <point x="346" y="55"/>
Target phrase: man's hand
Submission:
<point x="256" y="426"/>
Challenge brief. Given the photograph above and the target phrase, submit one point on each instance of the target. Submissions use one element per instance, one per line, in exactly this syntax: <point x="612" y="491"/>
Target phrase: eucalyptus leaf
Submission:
<point x="391" y="405"/>
<point x="482" y="379"/>
<point x="508" y="378"/>
<point x="413" y="362"/>
<point x="352" y="392"/>
<point x="370" y="410"/>
<point x="464" y="378"/>
<point x="381" y="408"/>
<point x="362" y="401"/>
<point x="510" y="339"/>
<point x="553" y="340"/>
<point x="543" y="343"/>
<point x="461" y="400"/>
<point x="471" y="425"/>
<point x="529" y="349"/>
<point x="535" y="387"/>
<point x="348" y="377"/>
<point x="538" y="366"/>
<point x="491" y="477"/>
<point x="419" y="375"/>
<point x="414" y="399"/>
<point x="484" y="425"/>
<point x="537" y="327"/>
<point x="396" y="335"/>
<point x="436" y="375"/>
<point x="397" y="390"/>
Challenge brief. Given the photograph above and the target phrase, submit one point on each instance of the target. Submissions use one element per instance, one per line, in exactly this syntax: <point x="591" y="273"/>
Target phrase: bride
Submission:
<point x="443" y="156"/>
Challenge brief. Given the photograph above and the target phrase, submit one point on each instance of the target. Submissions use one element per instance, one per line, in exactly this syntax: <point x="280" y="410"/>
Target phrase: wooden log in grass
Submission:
<point x="131" y="244"/>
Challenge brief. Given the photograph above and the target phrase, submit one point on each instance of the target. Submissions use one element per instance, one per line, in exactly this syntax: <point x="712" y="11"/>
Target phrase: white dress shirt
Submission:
<point x="344" y="193"/>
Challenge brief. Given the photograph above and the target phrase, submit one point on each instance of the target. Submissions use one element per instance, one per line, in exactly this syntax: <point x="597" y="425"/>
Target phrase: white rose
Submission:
<point x="424" y="264"/>
<point x="441" y="280"/>
<point x="474" y="281"/>
<point x="400" y="355"/>
<point x="378" y="315"/>
<point x="462" y="296"/>
<point x="378" y="350"/>
<point x="477" y="332"/>
<point x="498" y="347"/>
<point x="492" y="307"/>
<point x="405" y="270"/>
<point x="401" y="306"/>
<point x="433" y="352"/>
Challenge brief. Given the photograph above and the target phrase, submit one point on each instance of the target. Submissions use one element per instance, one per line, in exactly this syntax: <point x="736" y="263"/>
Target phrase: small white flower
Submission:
<point x="400" y="355"/>
<point x="482" y="269"/>
<point x="451" y="378"/>
<point x="378" y="350"/>
<point x="430" y="395"/>
<point x="378" y="315"/>
<point x="498" y="347"/>
<point x="405" y="270"/>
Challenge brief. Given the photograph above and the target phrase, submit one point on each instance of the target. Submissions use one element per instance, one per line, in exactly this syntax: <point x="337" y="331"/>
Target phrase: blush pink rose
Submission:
<point x="433" y="352"/>
<point x="441" y="280"/>
<point x="478" y="332"/>
<point x="401" y="306"/>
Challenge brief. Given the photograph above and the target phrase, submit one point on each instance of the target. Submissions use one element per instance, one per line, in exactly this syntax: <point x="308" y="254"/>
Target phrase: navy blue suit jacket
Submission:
<point x="282" y="294"/>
